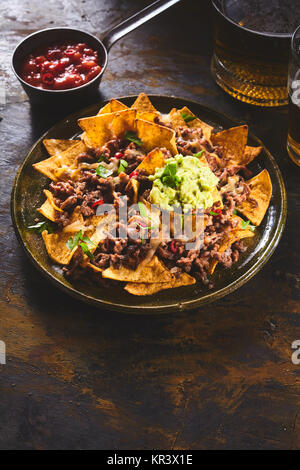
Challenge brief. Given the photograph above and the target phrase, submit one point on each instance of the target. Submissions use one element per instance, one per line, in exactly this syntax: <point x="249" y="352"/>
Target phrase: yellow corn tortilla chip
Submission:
<point x="148" y="116"/>
<point x="257" y="203"/>
<point x="148" y="289"/>
<point x="112" y="107"/>
<point x="233" y="142"/>
<point x="124" y="121"/>
<point x="176" y="119"/>
<point x="143" y="104"/>
<point x="228" y="240"/>
<point x="250" y="153"/>
<point x="132" y="190"/>
<point x="50" y="198"/>
<point x="153" y="135"/>
<point x="66" y="160"/>
<point x="206" y="128"/>
<point x="56" y="147"/>
<point x="56" y="242"/>
<point x="94" y="268"/>
<point x="106" y="109"/>
<point x="154" y="159"/>
<point x="153" y="271"/>
<point x="48" y="211"/>
<point x="103" y="127"/>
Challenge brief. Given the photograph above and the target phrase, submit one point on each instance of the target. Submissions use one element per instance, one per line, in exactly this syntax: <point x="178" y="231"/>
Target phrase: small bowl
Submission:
<point x="47" y="37"/>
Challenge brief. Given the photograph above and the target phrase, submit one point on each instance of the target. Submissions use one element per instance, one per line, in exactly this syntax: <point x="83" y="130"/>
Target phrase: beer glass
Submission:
<point x="251" y="48"/>
<point x="293" y="142"/>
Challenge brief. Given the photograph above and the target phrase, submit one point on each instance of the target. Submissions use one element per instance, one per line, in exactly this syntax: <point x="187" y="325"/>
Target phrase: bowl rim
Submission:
<point x="67" y="90"/>
<point x="208" y="297"/>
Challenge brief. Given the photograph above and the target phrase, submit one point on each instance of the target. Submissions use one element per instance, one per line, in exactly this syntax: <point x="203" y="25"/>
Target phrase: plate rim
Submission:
<point x="179" y="307"/>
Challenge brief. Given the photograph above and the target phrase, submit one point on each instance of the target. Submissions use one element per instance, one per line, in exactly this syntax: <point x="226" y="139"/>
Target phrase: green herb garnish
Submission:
<point x="132" y="137"/>
<point x="123" y="166"/>
<point x="187" y="117"/>
<point x="41" y="226"/>
<point x="234" y="211"/>
<point x="142" y="209"/>
<point x="199" y="154"/>
<point x="246" y="224"/>
<point x="169" y="177"/>
<point x="84" y="242"/>
<point x="102" y="157"/>
<point x="103" y="172"/>
<point x="213" y="213"/>
<point x="86" y="250"/>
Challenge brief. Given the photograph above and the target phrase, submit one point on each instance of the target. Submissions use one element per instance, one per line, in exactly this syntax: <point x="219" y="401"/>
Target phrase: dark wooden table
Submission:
<point x="219" y="377"/>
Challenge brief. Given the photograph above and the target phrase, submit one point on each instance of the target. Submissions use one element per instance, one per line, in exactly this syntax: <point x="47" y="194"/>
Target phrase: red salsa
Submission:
<point x="60" y="67"/>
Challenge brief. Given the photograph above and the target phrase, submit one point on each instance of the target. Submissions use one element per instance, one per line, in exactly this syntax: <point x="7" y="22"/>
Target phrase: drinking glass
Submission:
<point x="251" y="48"/>
<point x="293" y="141"/>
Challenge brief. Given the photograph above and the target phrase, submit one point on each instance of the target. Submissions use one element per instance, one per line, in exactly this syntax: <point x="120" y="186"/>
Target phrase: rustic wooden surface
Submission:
<point x="220" y="377"/>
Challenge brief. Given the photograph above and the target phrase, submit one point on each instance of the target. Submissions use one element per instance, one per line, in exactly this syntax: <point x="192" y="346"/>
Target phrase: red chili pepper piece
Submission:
<point x="133" y="174"/>
<point x="173" y="247"/>
<point x="48" y="78"/>
<point x="98" y="203"/>
<point x="119" y="155"/>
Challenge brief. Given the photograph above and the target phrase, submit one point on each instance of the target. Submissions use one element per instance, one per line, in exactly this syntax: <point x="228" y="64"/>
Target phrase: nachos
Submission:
<point x="132" y="169"/>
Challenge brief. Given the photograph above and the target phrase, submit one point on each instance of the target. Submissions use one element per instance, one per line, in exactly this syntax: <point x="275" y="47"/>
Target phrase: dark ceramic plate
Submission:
<point x="27" y="195"/>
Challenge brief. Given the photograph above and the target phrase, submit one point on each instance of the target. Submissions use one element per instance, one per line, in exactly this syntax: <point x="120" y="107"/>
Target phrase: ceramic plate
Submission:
<point x="27" y="195"/>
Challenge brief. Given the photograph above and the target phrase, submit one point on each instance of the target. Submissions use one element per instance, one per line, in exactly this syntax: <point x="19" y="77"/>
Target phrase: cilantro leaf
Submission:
<point x="73" y="241"/>
<point x="123" y="166"/>
<point x="169" y="177"/>
<point x="102" y="157"/>
<point x="86" y="250"/>
<point x="132" y="137"/>
<point x="103" y="172"/>
<point x="142" y="209"/>
<point x="234" y="211"/>
<point x="199" y="154"/>
<point x="41" y="226"/>
<point x="84" y="242"/>
<point x="187" y="117"/>
<point x="246" y="224"/>
<point x="213" y="213"/>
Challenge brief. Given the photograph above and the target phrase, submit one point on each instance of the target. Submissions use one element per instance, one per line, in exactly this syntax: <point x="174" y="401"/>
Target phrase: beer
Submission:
<point x="252" y="39"/>
<point x="293" y="142"/>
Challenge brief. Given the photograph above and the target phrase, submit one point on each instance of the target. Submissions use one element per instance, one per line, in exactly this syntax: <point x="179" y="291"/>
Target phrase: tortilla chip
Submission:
<point x="48" y="211"/>
<point x="250" y="153"/>
<point x="143" y="104"/>
<point x="67" y="159"/>
<point x="228" y="240"/>
<point x="56" y="242"/>
<point x="56" y="147"/>
<point x="176" y="119"/>
<point x="148" y="289"/>
<point x="96" y="269"/>
<point x="152" y="272"/>
<point x="257" y="203"/>
<point x="124" y="121"/>
<point x="148" y="116"/>
<point x="206" y="128"/>
<point x="112" y="107"/>
<point x="154" y="135"/>
<point x="154" y="159"/>
<point x="233" y="142"/>
<point x="132" y="190"/>
<point x="106" y="109"/>
<point x="103" y="127"/>
<point x="97" y="129"/>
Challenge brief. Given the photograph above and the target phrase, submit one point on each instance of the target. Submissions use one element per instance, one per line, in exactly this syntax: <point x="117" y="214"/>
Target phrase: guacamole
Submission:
<point x="185" y="182"/>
